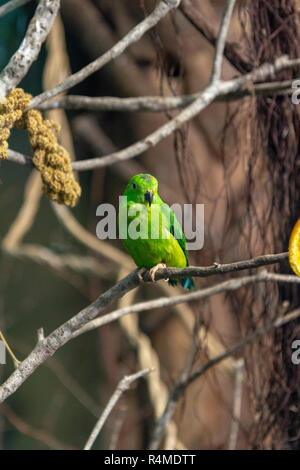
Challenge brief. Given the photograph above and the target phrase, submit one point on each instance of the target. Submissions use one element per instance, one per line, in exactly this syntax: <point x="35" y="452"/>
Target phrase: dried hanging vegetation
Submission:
<point x="267" y="133"/>
<point x="261" y="136"/>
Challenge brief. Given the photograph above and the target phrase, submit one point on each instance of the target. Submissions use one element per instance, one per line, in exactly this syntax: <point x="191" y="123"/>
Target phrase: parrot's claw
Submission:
<point x="141" y="273"/>
<point x="156" y="268"/>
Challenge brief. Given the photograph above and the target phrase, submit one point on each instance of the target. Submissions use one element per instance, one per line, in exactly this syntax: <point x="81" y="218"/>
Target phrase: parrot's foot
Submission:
<point x="156" y="268"/>
<point x="141" y="273"/>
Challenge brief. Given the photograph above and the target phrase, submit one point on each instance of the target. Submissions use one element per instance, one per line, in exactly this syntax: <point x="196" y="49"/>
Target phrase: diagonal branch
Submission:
<point x="232" y="52"/>
<point x="41" y="435"/>
<point x="49" y="345"/>
<point x="162" y="9"/>
<point x="221" y="40"/>
<point x="122" y="386"/>
<point x="157" y="103"/>
<point x="179" y="388"/>
<point x="226" y="286"/>
<point x="29" y="49"/>
<point x="12" y="5"/>
<point x="218" y="268"/>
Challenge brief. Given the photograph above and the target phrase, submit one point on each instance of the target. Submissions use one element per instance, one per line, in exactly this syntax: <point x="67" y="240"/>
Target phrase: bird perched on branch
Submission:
<point x="150" y="231"/>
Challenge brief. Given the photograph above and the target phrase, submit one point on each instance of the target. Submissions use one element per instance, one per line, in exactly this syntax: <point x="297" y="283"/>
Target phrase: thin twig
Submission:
<point x="162" y="9"/>
<point x="19" y="158"/>
<point x="221" y="40"/>
<point x="157" y="103"/>
<point x="67" y="331"/>
<point x="62" y="262"/>
<point x="226" y="286"/>
<point x="237" y="403"/>
<point x="206" y="97"/>
<point x="11" y="5"/>
<point x="217" y="268"/>
<point x="29" y="49"/>
<point x="123" y="385"/>
<point x="199" y="20"/>
<point x="40" y="435"/>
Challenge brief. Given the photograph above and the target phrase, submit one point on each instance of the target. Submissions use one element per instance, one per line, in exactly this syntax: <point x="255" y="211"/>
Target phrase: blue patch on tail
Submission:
<point x="186" y="282"/>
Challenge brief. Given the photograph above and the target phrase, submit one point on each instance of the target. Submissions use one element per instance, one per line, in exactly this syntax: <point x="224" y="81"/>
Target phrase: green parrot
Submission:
<point x="150" y="231"/>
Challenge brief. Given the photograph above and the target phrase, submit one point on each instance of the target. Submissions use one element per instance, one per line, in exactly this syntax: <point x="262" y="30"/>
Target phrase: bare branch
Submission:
<point x="17" y="157"/>
<point x="204" y="99"/>
<point x="63" y="334"/>
<point x="41" y="435"/>
<point x="226" y="286"/>
<point x="220" y="45"/>
<point x="157" y="103"/>
<point x="218" y="268"/>
<point x="12" y="5"/>
<point x="111" y="103"/>
<point x="69" y="329"/>
<point x="133" y="36"/>
<point x="123" y="385"/>
<point x="179" y="388"/>
<point x="67" y="219"/>
<point x="60" y="262"/>
<point x="29" y="49"/>
<point x="237" y="403"/>
<point x="147" y="357"/>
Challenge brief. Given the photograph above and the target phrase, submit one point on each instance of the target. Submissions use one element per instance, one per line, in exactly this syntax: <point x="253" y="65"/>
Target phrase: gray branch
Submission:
<point x="158" y="103"/>
<point x="67" y="331"/>
<point x="237" y="403"/>
<point x="179" y="388"/>
<point x="123" y="385"/>
<point x="29" y="49"/>
<point x="213" y="92"/>
<point x="12" y="5"/>
<point x="133" y="36"/>
<point x="226" y="286"/>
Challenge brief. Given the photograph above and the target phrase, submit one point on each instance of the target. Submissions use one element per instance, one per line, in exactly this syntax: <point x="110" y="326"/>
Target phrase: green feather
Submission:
<point x="165" y="242"/>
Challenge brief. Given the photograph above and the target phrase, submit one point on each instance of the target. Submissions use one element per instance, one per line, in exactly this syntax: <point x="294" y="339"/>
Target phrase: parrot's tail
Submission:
<point x="186" y="282"/>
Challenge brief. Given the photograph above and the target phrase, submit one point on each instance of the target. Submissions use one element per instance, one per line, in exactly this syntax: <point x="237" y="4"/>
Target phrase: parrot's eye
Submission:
<point x="134" y="185"/>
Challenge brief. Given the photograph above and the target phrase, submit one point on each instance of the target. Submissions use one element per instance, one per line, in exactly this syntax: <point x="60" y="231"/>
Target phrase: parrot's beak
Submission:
<point x="149" y="196"/>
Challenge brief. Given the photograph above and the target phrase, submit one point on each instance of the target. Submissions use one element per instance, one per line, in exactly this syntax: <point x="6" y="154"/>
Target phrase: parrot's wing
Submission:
<point x="174" y="227"/>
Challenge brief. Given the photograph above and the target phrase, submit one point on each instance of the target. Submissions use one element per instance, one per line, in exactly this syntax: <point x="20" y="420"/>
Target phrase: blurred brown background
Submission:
<point x="226" y="158"/>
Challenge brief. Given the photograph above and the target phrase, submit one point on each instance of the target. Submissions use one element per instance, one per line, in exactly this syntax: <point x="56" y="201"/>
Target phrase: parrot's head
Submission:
<point x="142" y="189"/>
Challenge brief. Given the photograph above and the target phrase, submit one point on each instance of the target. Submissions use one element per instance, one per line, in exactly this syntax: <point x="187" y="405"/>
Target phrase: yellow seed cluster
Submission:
<point x="10" y="112"/>
<point x="50" y="158"/>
